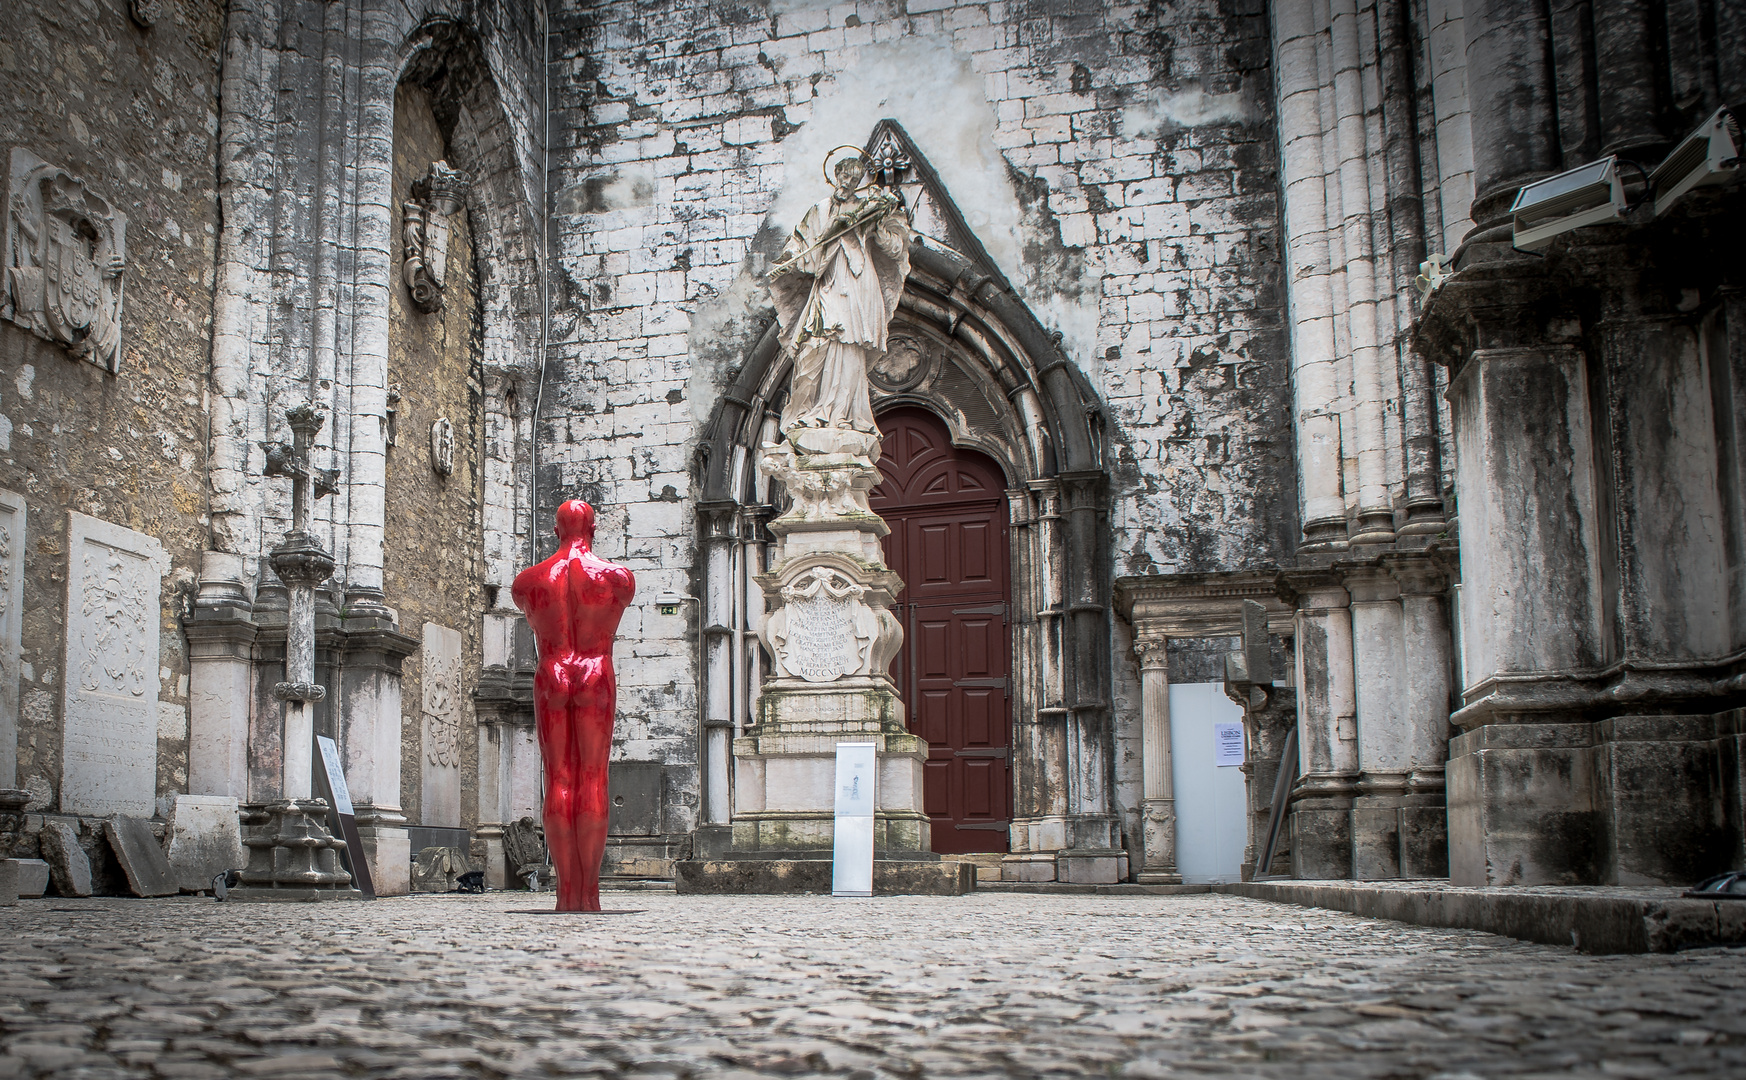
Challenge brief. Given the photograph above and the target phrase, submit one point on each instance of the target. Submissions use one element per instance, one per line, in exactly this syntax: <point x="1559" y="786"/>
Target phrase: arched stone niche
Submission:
<point x="966" y="348"/>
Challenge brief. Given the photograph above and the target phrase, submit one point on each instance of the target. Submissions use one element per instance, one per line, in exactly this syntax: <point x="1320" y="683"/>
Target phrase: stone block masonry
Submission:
<point x="1116" y="161"/>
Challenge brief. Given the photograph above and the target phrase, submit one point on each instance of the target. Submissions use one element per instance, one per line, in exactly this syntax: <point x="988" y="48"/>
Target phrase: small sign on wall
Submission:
<point x="1228" y="743"/>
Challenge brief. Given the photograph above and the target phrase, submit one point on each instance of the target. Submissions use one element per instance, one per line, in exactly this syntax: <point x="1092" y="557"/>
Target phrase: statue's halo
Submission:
<point x="826" y="167"/>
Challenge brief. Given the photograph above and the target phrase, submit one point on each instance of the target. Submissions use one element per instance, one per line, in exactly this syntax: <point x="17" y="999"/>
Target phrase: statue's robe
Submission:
<point x="835" y="310"/>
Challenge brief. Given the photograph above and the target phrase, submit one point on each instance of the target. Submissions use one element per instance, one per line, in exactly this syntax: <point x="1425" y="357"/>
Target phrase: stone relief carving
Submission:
<point x="110" y="692"/>
<point x="441" y="692"/>
<point x="118" y="616"/>
<point x="146" y="12"/>
<point x="66" y="249"/>
<point x="426" y="233"/>
<point x="442" y="446"/>
<point x="392" y="418"/>
<point x="823" y="631"/>
<point x="819" y="493"/>
<point x="905" y="364"/>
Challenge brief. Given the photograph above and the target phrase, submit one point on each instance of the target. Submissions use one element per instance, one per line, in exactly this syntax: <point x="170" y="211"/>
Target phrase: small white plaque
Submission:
<point x="852" y="867"/>
<point x="1228" y="743"/>
<point x="336" y="775"/>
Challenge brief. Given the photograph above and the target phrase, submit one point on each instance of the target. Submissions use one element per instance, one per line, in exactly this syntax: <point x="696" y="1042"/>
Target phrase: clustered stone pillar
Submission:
<point x="292" y="855"/>
<point x="1327" y="717"/>
<point x="1158" y="802"/>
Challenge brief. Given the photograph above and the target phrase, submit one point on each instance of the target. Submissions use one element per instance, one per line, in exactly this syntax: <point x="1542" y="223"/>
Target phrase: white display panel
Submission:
<point x="1210" y="827"/>
<point x="852" y="864"/>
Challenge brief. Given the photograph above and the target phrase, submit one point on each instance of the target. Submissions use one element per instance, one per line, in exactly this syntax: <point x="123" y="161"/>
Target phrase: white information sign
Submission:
<point x="1228" y="743"/>
<point x="852" y="865"/>
<point x="336" y="775"/>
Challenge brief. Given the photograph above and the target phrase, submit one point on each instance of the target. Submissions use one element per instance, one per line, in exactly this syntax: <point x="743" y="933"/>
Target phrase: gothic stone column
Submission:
<point x="1158" y="803"/>
<point x="1327" y="719"/>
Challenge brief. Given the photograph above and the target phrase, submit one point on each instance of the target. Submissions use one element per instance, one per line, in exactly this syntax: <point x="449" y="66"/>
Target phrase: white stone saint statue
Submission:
<point x="836" y="288"/>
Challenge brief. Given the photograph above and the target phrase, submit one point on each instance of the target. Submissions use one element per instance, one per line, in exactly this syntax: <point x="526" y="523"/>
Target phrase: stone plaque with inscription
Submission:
<point x="821" y="639"/>
<point x="110" y="691"/>
<point x="441" y="692"/>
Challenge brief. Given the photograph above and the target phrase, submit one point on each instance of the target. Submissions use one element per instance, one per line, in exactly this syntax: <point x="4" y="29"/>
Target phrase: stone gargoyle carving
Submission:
<point x="425" y="232"/>
<point x="66" y="248"/>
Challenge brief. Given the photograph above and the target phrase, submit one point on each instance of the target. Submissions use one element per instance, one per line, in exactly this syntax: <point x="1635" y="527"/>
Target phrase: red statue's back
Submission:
<point x="573" y="602"/>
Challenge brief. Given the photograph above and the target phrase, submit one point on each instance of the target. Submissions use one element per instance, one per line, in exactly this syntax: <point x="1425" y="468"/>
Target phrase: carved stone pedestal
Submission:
<point x="292" y="855"/>
<point x="833" y="636"/>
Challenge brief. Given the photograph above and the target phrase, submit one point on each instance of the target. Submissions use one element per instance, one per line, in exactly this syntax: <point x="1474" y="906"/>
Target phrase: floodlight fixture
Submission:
<point x="1588" y="195"/>
<point x="1709" y="155"/>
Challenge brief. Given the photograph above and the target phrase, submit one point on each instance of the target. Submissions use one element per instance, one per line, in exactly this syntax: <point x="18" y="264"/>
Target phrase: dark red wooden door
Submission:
<point x="947" y="510"/>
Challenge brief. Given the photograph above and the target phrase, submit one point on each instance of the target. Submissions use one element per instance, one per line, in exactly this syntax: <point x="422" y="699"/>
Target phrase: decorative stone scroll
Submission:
<point x="110" y="691"/>
<point x="426" y="233"/>
<point x="66" y="248"/>
<point x="441" y="697"/>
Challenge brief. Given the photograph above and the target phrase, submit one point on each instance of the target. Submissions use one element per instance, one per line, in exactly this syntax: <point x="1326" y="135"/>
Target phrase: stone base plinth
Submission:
<point x="388" y="849"/>
<point x="292" y="855"/>
<point x="785" y="767"/>
<point x="8" y="882"/>
<point x="921" y="877"/>
<point x="1091" y="866"/>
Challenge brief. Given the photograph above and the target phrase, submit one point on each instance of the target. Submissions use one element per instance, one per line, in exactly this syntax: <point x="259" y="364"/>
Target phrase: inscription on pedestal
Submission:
<point x="820" y="639"/>
<point x="110" y="694"/>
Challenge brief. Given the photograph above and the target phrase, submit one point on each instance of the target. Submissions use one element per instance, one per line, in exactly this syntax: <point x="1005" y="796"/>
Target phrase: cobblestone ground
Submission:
<point x="1012" y="985"/>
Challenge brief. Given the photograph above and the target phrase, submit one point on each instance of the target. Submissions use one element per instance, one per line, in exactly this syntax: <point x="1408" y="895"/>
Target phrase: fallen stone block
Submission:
<point x="205" y="840"/>
<point x="69" y="866"/>
<point x="142" y="860"/>
<point x="33" y="878"/>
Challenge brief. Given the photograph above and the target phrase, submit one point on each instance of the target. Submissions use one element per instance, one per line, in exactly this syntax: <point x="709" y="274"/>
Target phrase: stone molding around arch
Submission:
<point x="1001" y="382"/>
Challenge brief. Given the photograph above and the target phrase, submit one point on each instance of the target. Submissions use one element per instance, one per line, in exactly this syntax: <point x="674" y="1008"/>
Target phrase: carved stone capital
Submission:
<point x="1152" y="652"/>
<point x="299" y="559"/>
<point x="299" y="691"/>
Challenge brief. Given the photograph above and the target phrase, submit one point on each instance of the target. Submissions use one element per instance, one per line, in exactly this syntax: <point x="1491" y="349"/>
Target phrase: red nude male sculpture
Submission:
<point x="573" y="602"/>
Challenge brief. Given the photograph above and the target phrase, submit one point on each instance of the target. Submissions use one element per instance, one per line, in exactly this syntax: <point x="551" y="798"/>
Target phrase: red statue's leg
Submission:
<point x="593" y="730"/>
<point x="563" y="775"/>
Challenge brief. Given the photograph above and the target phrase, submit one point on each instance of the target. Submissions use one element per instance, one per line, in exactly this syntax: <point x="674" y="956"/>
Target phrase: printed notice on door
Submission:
<point x="1228" y="743"/>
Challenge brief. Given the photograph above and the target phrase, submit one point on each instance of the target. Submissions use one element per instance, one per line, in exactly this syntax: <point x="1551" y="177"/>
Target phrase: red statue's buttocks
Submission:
<point x="573" y="602"/>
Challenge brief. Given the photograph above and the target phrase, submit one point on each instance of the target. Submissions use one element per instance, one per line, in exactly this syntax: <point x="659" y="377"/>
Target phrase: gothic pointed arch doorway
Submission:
<point x="947" y="511"/>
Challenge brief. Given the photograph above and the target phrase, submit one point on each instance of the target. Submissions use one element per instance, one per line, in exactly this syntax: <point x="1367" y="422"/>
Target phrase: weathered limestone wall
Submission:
<point x="134" y="113"/>
<point x="432" y="551"/>
<point x="1115" y="161"/>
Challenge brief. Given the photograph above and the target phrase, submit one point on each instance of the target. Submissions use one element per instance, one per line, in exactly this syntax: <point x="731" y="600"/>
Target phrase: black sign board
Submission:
<point x="332" y="776"/>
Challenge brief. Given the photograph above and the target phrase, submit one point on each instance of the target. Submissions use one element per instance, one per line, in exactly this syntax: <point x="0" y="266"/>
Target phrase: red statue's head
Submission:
<point x="576" y="521"/>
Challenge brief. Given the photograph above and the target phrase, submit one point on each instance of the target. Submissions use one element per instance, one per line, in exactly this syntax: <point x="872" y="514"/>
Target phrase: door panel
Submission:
<point x="947" y="513"/>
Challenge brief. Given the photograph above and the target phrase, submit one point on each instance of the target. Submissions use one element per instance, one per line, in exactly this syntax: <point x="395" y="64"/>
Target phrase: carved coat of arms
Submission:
<point x="425" y="233"/>
<point x="65" y="252"/>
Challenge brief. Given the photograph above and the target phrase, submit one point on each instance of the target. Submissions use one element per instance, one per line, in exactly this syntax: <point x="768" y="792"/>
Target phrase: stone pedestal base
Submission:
<point x="785" y="769"/>
<point x="292" y="856"/>
<point x="1092" y="866"/>
<point x="387" y="848"/>
<point x="8" y="882"/>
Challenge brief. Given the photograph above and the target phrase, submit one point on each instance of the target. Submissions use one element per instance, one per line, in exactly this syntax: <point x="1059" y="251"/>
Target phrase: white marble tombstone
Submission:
<point x="110" y="687"/>
<point x="441" y="682"/>
<point x="11" y="613"/>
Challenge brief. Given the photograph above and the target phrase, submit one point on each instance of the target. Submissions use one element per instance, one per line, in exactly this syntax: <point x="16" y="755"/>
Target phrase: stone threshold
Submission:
<point x="1082" y="889"/>
<point x="1593" y="919"/>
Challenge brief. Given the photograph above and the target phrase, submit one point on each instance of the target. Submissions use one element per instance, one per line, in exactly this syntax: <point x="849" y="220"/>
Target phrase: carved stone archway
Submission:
<point x="965" y="347"/>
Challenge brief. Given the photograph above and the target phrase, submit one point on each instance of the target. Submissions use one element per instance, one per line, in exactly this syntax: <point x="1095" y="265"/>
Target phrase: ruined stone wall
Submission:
<point x="1117" y="162"/>
<point x="133" y="111"/>
<point x="432" y="550"/>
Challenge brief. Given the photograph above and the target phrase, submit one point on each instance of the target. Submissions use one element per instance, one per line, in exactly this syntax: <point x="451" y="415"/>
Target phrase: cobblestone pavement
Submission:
<point x="1014" y="985"/>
